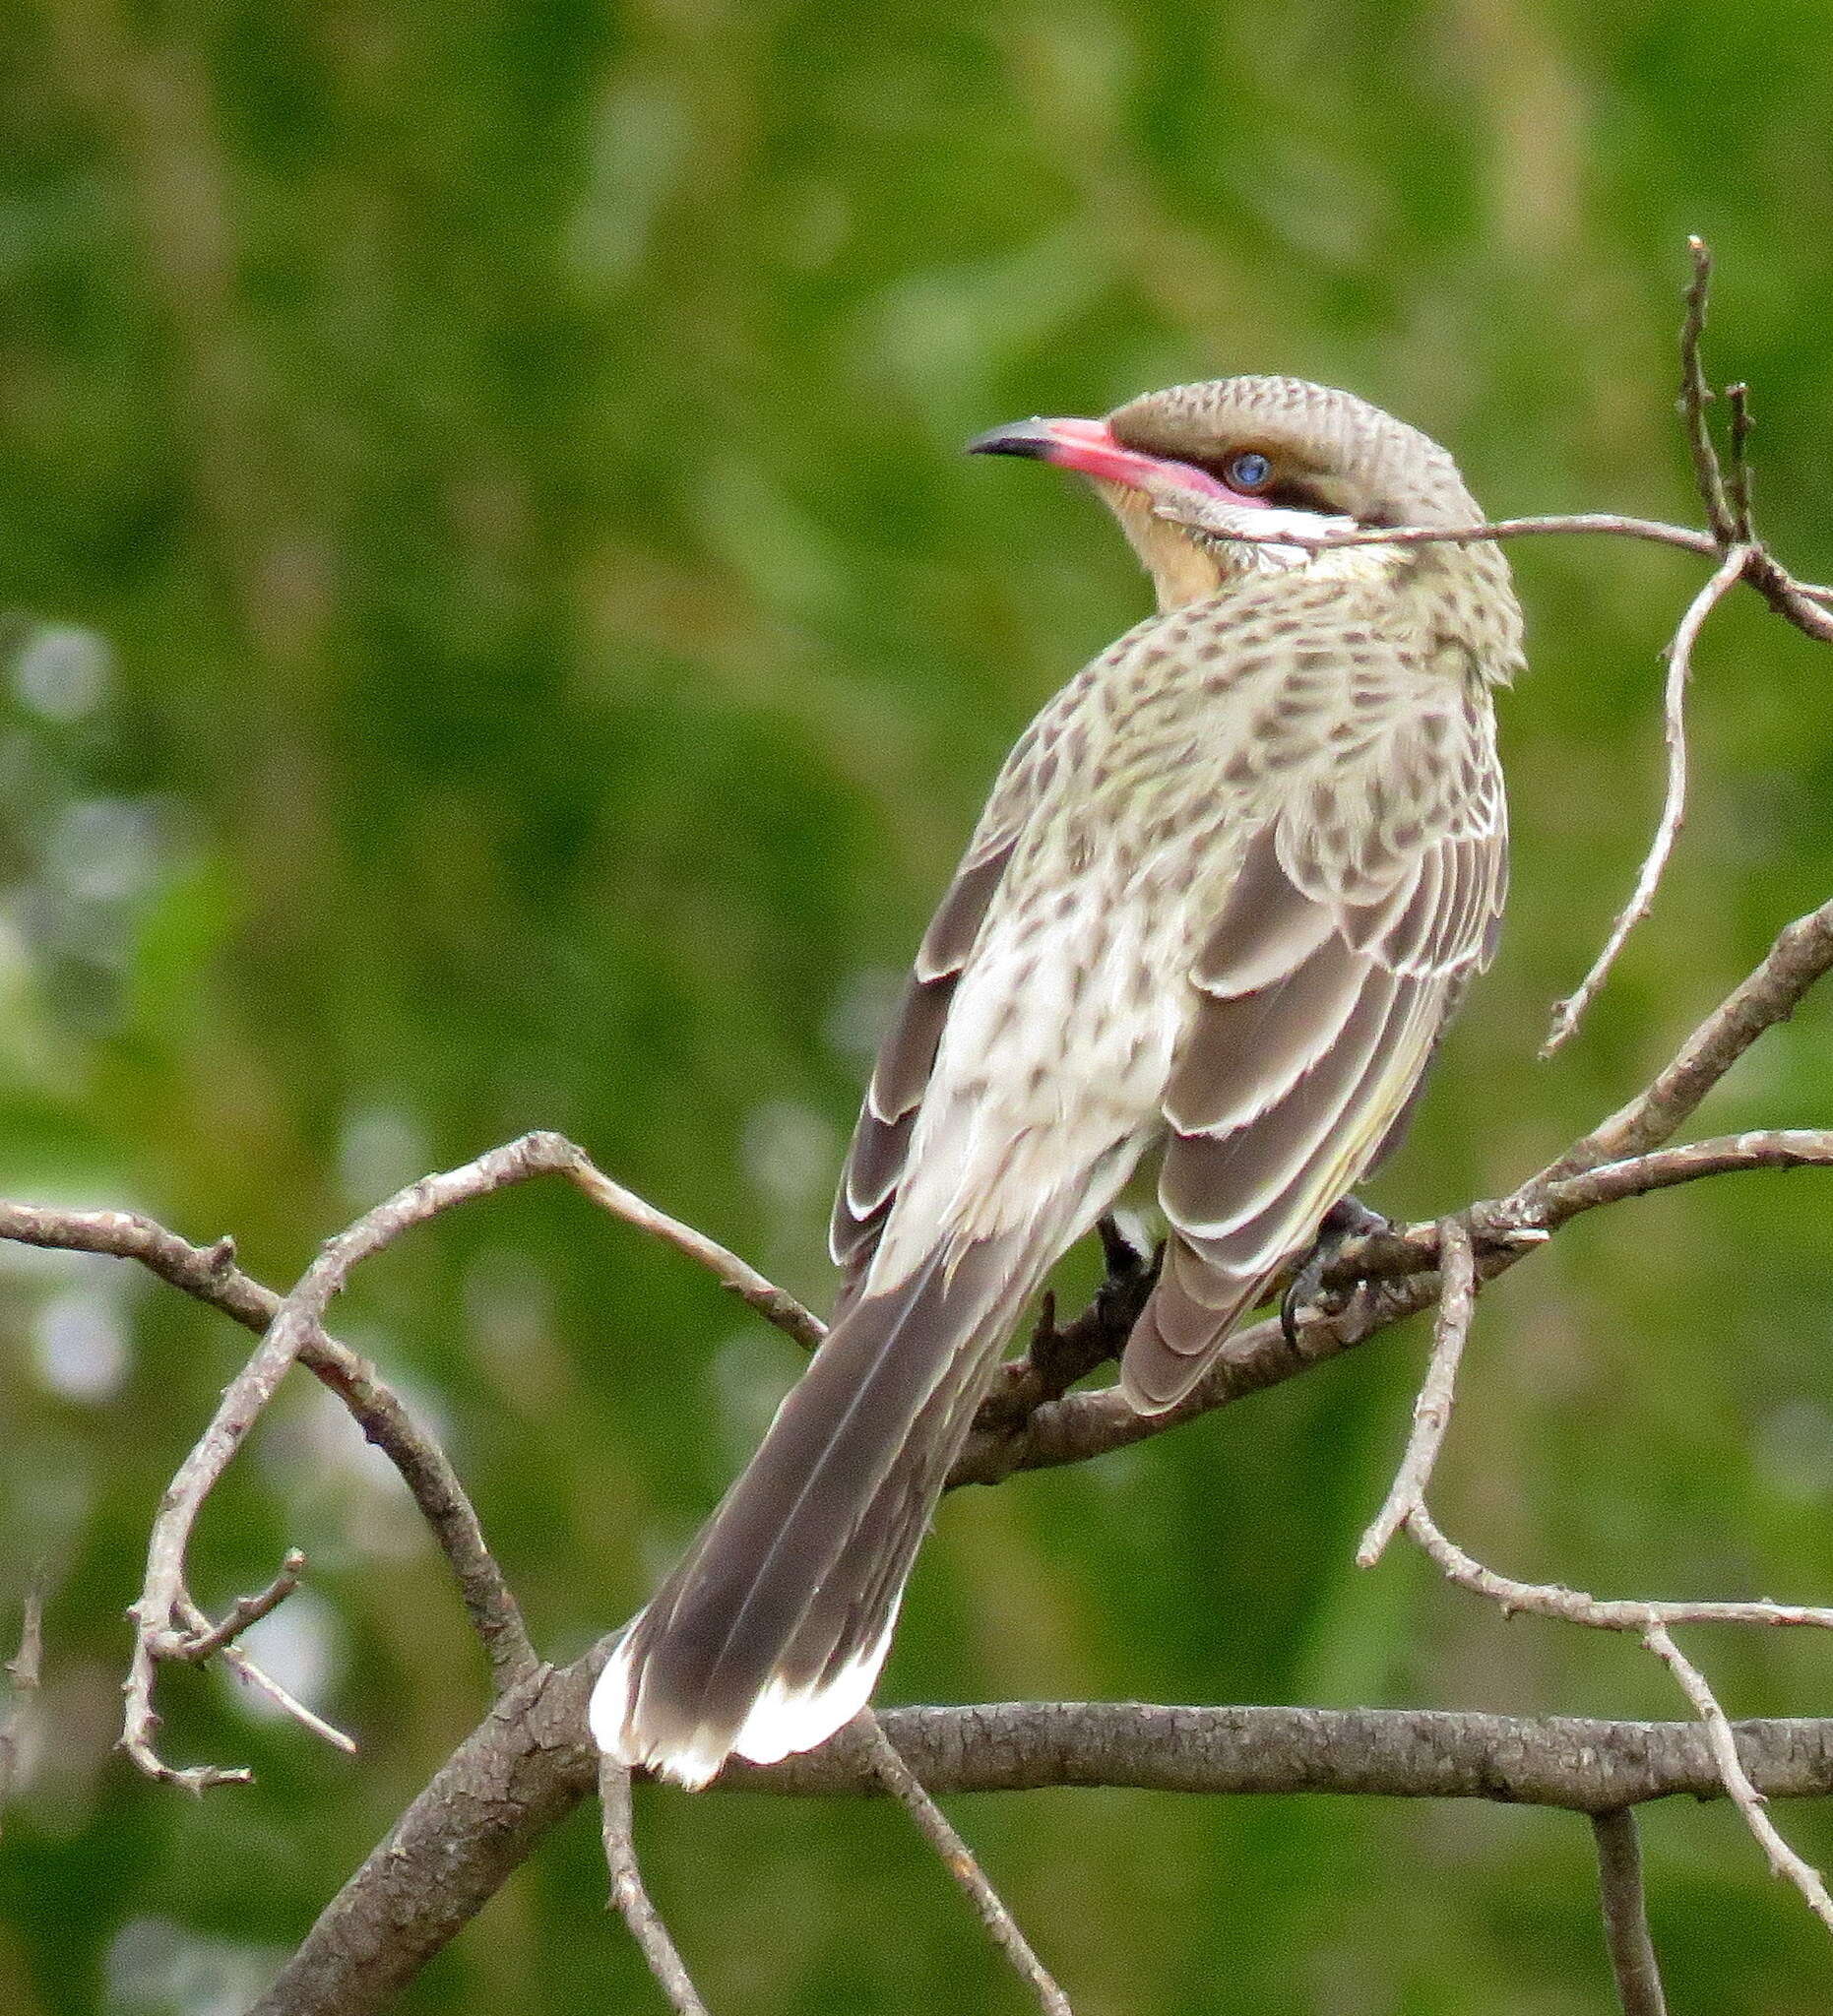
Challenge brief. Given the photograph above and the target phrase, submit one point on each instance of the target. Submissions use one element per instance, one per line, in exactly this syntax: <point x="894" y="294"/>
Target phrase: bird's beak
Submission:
<point x="1090" y="447"/>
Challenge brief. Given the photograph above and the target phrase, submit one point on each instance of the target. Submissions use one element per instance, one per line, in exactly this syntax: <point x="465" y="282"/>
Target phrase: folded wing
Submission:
<point x="1321" y="993"/>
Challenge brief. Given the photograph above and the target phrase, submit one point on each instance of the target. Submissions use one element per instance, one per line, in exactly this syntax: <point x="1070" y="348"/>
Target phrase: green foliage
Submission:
<point x="498" y="635"/>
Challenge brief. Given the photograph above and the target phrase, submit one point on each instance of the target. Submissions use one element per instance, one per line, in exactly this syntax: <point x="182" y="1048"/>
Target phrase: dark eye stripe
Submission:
<point x="1287" y="495"/>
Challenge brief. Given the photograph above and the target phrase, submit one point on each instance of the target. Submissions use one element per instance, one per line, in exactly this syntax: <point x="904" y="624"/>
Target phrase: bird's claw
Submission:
<point x="1347" y="1218"/>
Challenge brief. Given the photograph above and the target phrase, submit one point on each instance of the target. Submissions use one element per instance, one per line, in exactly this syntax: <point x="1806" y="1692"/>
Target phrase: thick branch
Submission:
<point x="530" y="1762"/>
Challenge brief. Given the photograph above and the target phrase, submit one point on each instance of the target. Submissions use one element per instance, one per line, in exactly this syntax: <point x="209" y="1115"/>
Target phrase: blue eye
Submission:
<point x="1248" y="472"/>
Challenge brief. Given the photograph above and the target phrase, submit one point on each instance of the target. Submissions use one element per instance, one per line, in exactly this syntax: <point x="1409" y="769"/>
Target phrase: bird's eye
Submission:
<point x="1248" y="472"/>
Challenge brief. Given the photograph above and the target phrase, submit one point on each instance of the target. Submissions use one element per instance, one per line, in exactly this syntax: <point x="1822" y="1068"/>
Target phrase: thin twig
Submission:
<point x="902" y="1783"/>
<point x="297" y="1322"/>
<point x="1798" y="601"/>
<point x="632" y="1900"/>
<point x="25" y="1669"/>
<point x="1783" y="1860"/>
<point x="776" y="1305"/>
<point x="209" y="1275"/>
<point x="1196" y="510"/>
<point x="1601" y="1613"/>
<point x="243" y="1611"/>
<point x="1802" y="954"/>
<point x="1432" y="1409"/>
<point x="1625" y="1915"/>
<point x="1569" y="1012"/>
<point x="1697" y="396"/>
<point x="263" y="1682"/>
<point x="1737" y="484"/>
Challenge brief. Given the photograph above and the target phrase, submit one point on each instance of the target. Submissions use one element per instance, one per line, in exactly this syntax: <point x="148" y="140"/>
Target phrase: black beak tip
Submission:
<point x="1028" y="438"/>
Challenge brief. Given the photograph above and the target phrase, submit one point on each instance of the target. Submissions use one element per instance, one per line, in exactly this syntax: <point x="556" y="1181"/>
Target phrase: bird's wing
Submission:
<point x="1359" y="915"/>
<point x="881" y="1139"/>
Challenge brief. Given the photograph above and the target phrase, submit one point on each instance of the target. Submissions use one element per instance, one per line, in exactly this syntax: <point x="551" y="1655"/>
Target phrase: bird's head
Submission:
<point x="1182" y="469"/>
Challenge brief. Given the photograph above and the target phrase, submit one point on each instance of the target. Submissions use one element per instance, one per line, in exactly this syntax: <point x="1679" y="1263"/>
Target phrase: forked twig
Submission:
<point x="297" y="1330"/>
<point x="243" y="1611"/>
<point x="209" y="1275"/>
<point x="1697" y="396"/>
<point x="1650" y="1620"/>
<point x="1432" y="1408"/>
<point x="264" y="1683"/>
<point x="632" y="1900"/>
<point x="1625" y="1915"/>
<point x="882" y="1759"/>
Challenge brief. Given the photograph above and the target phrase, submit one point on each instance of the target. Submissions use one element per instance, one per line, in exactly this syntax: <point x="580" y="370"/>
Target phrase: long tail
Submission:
<point x="770" y="1634"/>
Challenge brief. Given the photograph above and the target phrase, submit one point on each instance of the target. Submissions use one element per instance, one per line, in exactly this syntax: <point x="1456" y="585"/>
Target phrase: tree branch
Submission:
<point x="209" y="1274"/>
<point x="1625" y="1915"/>
<point x="632" y="1900"/>
<point x="1570" y="1012"/>
<point x="895" y="1778"/>
<point x="524" y="1768"/>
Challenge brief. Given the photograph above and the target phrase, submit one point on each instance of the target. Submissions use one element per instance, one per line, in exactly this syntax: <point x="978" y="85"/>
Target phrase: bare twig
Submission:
<point x="1802" y="954"/>
<point x="296" y="1328"/>
<point x="1798" y="602"/>
<point x="1432" y="1409"/>
<point x="902" y="1783"/>
<point x="1602" y="1613"/>
<point x="210" y="1274"/>
<point x="1625" y="1915"/>
<point x="1783" y="1860"/>
<point x="776" y="1305"/>
<point x="1651" y="1621"/>
<point x="1697" y="396"/>
<point x="263" y="1682"/>
<point x="1569" y="1012"/>
<point x="1195" y="509"/>
<point x="632" y="1900"/>
<point x="296" y="1323"/>
<point x="25" y="1669"/>
<point x="243" y="1611"/>
<point x="1737" y="484"/>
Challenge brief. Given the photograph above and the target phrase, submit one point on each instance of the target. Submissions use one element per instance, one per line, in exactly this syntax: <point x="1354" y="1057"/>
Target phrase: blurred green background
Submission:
<point x="497" y="633"/>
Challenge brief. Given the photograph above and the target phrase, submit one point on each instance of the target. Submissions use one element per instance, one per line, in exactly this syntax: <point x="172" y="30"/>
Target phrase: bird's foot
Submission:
<point x="1346" y="1219"/>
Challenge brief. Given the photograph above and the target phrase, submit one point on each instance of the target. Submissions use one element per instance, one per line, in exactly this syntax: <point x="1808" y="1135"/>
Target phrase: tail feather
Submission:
<point x="770" y="1633"/>
<point x="827" y="1671"/>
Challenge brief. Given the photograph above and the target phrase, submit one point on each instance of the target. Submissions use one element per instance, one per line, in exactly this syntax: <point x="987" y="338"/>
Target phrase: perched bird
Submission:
<point x="1226" y="890"/>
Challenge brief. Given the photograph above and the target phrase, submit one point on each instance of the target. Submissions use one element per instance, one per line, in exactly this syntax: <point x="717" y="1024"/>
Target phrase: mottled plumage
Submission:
<point x="1226" y="891"/>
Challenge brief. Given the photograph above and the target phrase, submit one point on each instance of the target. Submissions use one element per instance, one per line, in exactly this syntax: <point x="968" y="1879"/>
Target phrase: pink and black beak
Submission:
<point x="1090" y="447"/>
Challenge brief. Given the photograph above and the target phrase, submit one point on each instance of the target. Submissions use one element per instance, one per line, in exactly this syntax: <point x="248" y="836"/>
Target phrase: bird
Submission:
<point x="1226" y="890"/>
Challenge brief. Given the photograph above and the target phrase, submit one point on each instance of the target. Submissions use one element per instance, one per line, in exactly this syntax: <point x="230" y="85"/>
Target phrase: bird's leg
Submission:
<point x="1061" y="1354"/>
<point x="1059" y="1357"/>
<point x="1347" y="1218"/>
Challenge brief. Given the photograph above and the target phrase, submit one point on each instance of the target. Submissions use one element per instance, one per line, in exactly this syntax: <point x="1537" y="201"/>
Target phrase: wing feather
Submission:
<point x="1319" y="1000"/>
<point x="875" y="1160"/>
